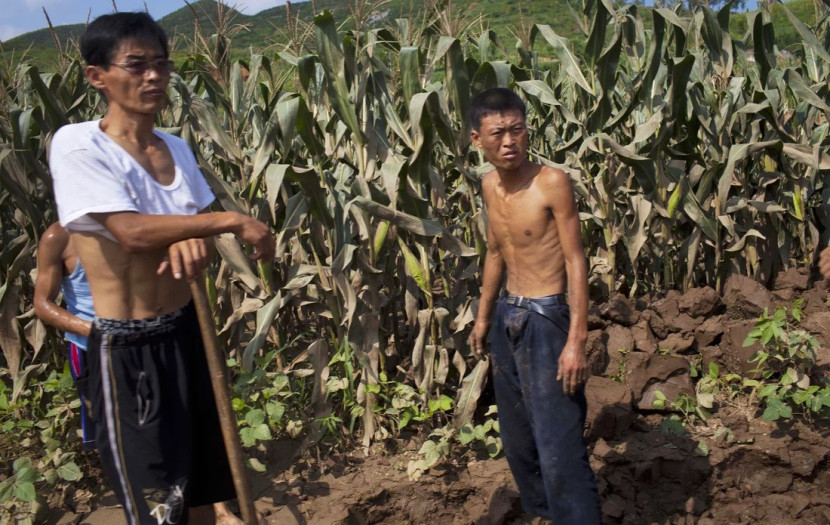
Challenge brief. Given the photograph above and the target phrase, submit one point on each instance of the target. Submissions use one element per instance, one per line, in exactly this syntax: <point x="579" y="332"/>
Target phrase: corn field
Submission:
<point x="694" y="156"/>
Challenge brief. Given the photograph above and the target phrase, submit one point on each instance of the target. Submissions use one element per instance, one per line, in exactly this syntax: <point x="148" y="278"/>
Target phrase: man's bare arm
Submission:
<point x="48" y="283"/>
<point x="188" y="257"/>
<point x="572" y="366"/>
<point x="490" y="285"/>
<point x="141" y="233"/>
<point x="824" y="263"/>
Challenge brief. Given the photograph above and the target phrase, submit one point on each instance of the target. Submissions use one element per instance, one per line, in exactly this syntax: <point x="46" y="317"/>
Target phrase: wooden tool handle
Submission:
<point x="221" y="391"/>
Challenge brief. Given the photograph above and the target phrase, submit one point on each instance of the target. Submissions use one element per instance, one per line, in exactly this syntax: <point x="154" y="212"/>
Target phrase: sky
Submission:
<point x="21" y="16"/>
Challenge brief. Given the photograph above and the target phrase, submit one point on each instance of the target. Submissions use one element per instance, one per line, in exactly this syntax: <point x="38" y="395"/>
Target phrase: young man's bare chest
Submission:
<point x="519" y="218"/>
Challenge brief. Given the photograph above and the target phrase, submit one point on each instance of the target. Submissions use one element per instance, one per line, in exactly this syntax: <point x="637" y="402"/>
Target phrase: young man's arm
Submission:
<point x="48" y="283"/>
<point x="573" y="369"/>
<point x="490" y="286"/>
<point x="141" y="233"/>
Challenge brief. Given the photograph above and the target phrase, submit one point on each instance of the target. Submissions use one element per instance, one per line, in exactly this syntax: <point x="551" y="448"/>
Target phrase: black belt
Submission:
<point x="536" y="304"/>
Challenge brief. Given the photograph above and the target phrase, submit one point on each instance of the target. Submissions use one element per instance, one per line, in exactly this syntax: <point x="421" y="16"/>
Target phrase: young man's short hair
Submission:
<point x="494" y="100"/>
<point x="103" y="35"/>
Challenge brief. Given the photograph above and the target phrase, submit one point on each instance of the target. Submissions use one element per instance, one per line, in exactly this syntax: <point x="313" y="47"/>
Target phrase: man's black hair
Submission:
<point x="494" y="100"/>
<point x="103" y="35"/>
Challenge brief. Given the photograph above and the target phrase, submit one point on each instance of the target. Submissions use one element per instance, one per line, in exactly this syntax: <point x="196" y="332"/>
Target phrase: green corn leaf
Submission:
<point x="804" y="92"/>
<point x="410" y="67"/>
<point x="567" y="58"/>
<point x="414" y="268"/>
<point x="331" y="56"/>
<point x="264" y="319"/>
<point x="808" y="36"/>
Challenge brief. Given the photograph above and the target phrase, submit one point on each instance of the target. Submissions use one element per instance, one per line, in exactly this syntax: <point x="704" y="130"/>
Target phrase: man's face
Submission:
<point x="503" y="139"/>
<point x="136" y="79"/>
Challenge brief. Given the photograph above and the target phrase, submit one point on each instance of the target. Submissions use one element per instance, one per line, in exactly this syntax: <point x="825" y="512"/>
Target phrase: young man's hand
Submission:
<point x="476" y="339"/>
<point x="188" y="257"/>
<point x="258" y="235"/>
<point x="573" y="369"/>
<point x="824" y="263"/>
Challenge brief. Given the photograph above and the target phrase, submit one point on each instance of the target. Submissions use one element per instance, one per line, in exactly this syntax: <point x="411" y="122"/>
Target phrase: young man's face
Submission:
<point x="503" y="139"/>
<point x="136" y="79"/>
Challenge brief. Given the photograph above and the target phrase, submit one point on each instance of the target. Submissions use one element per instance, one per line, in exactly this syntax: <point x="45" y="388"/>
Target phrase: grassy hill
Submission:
<point x="267" y="28"/>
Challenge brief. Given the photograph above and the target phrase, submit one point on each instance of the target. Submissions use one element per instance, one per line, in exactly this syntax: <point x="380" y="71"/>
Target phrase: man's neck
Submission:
<point x="514" y="179"/>
<point x="135" y="128"/>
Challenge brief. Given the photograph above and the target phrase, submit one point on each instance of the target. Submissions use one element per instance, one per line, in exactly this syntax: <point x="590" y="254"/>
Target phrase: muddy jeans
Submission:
<point x="541" y="427"/>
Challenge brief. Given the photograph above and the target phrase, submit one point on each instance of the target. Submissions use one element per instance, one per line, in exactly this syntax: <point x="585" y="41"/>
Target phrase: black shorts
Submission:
<point x="157" y="429"/>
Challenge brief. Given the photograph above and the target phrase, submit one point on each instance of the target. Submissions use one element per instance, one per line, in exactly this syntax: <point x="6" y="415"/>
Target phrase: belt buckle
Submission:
<point x="516" y="300"/>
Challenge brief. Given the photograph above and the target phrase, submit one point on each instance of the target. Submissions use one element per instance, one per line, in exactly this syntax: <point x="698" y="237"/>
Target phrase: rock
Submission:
<point x="595" y="320"/>
<point x="619" y="342"/>
<point x="609" y="407"/>
<point x="500" y="504"/>
<point x="596" y="352"/>
<point x="794" y="279"/>
<point x="614" y="506"/>
<point x="602" y="449"/>
<point x="619" y="309"/>
<point x="656" y="323"/>
<point x="770" y="480"/>
<point x="815" y="300"/>
<point x="644" y="340"/>
<point x="655" y="369"/>
<point x="735" y="355"/>
<point x="677" y="343"/>
<point x="672" y="388"/>
<point x="711" y="354"/>
<point x="700" y="302"/>
<point x="804" y="458"/>
<point x="818" y="324"/>
<point x="784" y="296"/>
<point x="709" y="332"/>
<point x="620" y="339"/>
<point x="668" y="307"/>
<point x="683" y="323"/>
<point x="745" y="296"/>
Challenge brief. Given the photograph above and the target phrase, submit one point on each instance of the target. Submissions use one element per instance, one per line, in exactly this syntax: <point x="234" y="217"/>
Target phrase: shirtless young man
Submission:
<point x="537" y="338"/>
<point x="133" y="200"/>
<point x="60" y="270"/>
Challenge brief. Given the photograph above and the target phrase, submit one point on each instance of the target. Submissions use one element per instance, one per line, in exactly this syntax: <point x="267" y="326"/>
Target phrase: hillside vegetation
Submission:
<point x="270" y="29"/>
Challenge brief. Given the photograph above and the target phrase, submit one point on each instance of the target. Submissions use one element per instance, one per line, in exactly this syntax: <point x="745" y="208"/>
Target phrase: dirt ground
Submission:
<point x="766" y="475"/>
<point x="733" y="468"/>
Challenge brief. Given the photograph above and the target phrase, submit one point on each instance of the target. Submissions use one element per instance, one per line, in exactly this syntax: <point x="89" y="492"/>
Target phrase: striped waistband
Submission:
<point x="149" y="326"/>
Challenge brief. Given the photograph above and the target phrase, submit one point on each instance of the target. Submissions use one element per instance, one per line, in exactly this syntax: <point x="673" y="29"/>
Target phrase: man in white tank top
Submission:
<point x="136" y="207"/>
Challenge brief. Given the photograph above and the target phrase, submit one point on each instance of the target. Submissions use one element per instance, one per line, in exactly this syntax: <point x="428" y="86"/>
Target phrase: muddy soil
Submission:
<point x="733" y="468"/>
<point x="767" y="475"/>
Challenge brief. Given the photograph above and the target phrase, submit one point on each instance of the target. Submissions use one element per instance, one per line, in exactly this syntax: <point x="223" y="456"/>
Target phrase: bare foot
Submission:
<point x="224" y="516"/>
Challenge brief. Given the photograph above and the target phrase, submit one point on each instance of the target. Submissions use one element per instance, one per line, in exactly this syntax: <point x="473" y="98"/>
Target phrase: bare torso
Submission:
<point x="126" y="285"/>
<point x="524" y="229"/>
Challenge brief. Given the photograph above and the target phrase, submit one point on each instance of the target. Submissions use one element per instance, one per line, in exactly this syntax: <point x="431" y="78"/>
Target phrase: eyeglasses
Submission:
<point x="161" y="66"/>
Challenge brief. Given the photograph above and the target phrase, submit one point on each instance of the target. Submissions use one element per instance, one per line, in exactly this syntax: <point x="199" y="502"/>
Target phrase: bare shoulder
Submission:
<point x="553" y="178"/>
<point x="488" y="181"/>
<point x="55" y="237"/>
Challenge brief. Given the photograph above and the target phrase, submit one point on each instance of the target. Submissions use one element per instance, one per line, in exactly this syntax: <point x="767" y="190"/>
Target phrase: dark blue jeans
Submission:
<point x="541" y="427"/>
